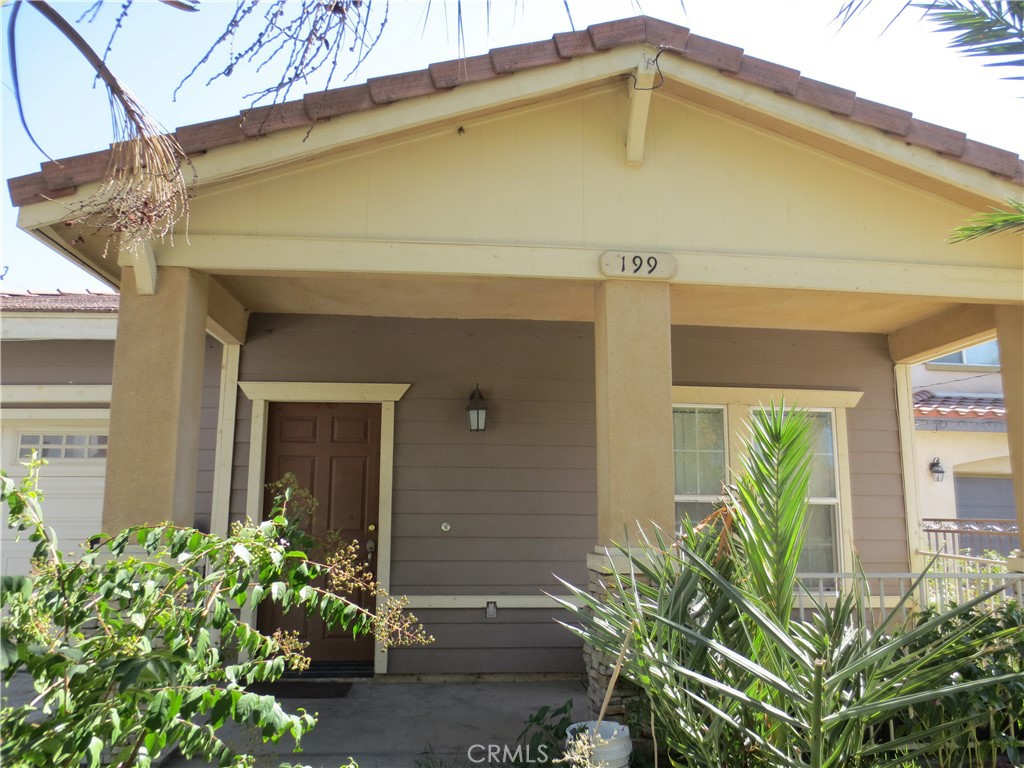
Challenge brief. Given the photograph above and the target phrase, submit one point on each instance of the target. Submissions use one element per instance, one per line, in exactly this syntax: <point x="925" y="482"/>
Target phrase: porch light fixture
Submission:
<point x="477" y="410"/>
<point x="935" y="467"/>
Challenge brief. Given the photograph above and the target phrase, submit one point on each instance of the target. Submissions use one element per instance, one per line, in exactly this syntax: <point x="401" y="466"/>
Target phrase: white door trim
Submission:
<point x="263" y="392"/>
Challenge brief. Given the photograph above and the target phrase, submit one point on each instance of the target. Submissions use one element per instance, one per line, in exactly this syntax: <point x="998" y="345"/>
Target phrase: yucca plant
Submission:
<point x="732" y="678"/>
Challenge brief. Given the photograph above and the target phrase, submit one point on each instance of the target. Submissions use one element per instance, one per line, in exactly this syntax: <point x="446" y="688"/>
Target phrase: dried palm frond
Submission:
<point x="144" y="192"/>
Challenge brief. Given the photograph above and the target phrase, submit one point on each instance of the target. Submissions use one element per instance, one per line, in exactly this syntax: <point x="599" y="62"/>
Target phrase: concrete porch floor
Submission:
<point x="384" y="724"/>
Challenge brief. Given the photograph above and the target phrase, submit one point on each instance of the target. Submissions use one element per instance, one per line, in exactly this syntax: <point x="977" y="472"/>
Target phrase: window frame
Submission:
<point x="738" y="402"/>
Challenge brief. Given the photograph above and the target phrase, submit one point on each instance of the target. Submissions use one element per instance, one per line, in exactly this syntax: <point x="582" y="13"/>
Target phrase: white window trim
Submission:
<point x="264" y="392"/>
<point x="739" y="400"/>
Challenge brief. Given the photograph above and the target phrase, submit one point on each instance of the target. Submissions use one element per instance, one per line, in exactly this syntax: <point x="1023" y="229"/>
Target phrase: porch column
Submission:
<point x="1010" y="332"/>
<point x="154" y="408"/>
<point x="635" y="478"/>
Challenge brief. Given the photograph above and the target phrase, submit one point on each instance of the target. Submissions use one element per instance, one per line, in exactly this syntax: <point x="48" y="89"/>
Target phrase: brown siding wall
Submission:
<point x="744" y="357"/>
<point x="520" y="497"/>
<point x="57" y="362"/>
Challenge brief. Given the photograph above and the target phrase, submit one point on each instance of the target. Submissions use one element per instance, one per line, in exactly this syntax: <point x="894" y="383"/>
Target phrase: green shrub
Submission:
<point x="126" y="643"/>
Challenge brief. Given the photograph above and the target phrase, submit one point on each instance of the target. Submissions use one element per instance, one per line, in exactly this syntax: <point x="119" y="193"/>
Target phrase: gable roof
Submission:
<point x="63" y="177"/>
<point x="60" y="301"/>
<point x="928" y="403"/>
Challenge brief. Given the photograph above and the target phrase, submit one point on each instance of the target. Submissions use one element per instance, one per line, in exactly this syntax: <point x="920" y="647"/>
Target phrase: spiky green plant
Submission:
<point x="732" y="678"/>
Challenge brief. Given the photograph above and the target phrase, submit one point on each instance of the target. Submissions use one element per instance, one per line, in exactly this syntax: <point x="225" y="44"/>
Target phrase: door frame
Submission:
<point x="261" y="393"/>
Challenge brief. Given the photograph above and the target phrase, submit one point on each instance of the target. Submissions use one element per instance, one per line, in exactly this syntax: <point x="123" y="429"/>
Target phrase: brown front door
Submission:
<point x="333" y="449"/>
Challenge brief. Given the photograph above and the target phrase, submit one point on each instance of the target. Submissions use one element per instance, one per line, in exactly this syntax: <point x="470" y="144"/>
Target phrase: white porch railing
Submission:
<point x="938" y="589"/>
<point x="977" y="539"/>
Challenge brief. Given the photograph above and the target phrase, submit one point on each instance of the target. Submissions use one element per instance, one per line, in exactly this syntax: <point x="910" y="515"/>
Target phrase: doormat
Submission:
<point x="303" y="689"/>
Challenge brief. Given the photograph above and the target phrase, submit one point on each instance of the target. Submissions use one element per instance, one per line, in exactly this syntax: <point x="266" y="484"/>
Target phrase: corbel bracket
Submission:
<point x="640" y="84"/>
<point x="143" y="261"/>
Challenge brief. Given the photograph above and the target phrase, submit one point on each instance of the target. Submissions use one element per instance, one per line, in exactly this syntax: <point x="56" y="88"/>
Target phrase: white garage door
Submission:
<point x="71" y="482"/>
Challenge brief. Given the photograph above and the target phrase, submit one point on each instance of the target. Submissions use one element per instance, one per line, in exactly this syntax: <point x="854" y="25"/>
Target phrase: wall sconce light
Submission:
<point x="477" y="411"/>
<point x="935" y="467"/>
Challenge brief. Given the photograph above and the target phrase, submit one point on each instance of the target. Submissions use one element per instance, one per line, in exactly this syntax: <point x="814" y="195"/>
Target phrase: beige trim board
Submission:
<point x="263" y="392"/>
<point x="88" y="416"/>
<point x="55" y="393"/>
<point x="315" y="392"/>
<point x="800" y="398"/>
<point x="908" y="464"/>
<point x="226" y="254"/>
<point x="38" y="326"/>
<point x="224" y="453"/>
<point x="479" y="602"/>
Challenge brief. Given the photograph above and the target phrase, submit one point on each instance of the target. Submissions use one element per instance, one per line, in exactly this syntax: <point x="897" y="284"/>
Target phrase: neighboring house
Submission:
<point x="55" y="381"/>
<point x="626" y="251"/>
<point x="963" y="455"/>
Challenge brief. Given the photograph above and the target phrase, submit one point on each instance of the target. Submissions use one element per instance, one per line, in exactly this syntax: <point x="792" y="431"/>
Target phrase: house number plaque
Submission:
<point x="638" y="265"/>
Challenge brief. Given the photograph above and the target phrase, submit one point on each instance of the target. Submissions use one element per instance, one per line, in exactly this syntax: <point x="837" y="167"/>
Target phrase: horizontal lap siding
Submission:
<point x="515" y="640"/>
<point x="743" y="357"/>
<point x="57" y="362"/>
<point x="519" y="498"/>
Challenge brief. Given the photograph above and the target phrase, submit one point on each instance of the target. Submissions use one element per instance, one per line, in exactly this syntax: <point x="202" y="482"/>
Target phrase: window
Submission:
<point x="707" y="425"/>
<point x="986" y="354"/>
<point x="699" y="436"/>
<point x="62" y="446"/>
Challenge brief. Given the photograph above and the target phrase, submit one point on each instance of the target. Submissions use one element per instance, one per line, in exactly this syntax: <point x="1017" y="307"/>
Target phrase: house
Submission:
<point x="626" y="237"/>
<point x="962" y="453"/>
<point x="55" y="381"/>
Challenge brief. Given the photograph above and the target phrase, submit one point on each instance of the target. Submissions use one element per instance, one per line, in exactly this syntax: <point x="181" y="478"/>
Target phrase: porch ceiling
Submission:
<point x="569" y="300"/>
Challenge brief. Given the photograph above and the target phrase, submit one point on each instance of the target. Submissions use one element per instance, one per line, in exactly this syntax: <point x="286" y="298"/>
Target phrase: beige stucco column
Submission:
<point x="635" y="481"/>
<point x="1010" y="331"/>
<point x="154" y="408"/>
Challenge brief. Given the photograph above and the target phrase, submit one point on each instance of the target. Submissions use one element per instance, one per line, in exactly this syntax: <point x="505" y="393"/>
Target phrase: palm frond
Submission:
<point x="993" y="28"/>
<point x="995" y="222"/>
<point x="144" y="192"/>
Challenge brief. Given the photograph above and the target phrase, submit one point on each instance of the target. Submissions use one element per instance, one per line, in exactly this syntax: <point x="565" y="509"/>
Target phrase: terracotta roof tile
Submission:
<point x="58" y="302"/>
<point x="573" y="44"/>
<point x="513" y="58"/>
<point x="767" y="74"/>
<point x="392" y="88"/>
<point x="830" y="97"/>
<point x="661" y="34"/>
<point x="881" y="116"/>
<point x="279" y="117"/>
<point x="60" y="179"/>
<point x="448" y="74"/>
<point x="704" y="50"/>
<point x="612" y="34"/>
<point x="73" y="171"/>
<point x="928" y="403"/>
<point x="338" y="101"/>
<point x="937" y="137"/>
<point x="994" y="159"/>
<point x="200" y="137"/>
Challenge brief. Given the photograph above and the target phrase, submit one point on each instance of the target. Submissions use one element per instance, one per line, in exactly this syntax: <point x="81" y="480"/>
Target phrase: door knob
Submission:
<point x="371" y="547"/>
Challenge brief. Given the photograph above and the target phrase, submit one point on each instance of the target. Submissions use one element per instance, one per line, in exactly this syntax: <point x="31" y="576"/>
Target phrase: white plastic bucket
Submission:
<point x="612" y="746"/>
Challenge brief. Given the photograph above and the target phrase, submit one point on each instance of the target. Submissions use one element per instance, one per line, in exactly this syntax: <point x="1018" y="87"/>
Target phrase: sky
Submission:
<point x="906" y="65"/>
